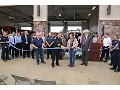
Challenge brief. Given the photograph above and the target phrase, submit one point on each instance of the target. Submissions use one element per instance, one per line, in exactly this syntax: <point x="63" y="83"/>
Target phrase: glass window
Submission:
<point x="56" y="28"/>
<point x="26" y="28"/>
<point x="74" y="28"/>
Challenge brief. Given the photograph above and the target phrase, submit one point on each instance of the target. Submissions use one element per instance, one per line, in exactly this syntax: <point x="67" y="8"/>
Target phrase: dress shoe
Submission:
<point x="53" y="65"/>
<point x="101" y="60"/>
<point x="82" y="64"/>
<point x="43" y="62"/>
<point x="58" y="64"/>
<point x="116" y="70"/>
<point x="8" y="59"/>
<point x="33" y="58"/>
<point x="105" y="60"/>
<point x="112" y="68"/>
<point x="86" y="64"/>
<point x="5" y="60"/>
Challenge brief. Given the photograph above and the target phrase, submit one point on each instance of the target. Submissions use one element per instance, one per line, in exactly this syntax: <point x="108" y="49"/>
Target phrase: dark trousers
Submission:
<point x="19" y="46"/>
<point x="32" y="52"/>
<point x="72" y="57"/>
<point x="13" y="51"/>
<point x="39" y="54"/>
<point x="85" y="54"/>
<point x="5" y="54"/>
<point x="26" y="47"/>
<point x="49" y="53"/>
<point x="116" y="64"/>
<point x="113" y="56"/>
<point x="105" y="51"/>
<point x="55" y="56"/>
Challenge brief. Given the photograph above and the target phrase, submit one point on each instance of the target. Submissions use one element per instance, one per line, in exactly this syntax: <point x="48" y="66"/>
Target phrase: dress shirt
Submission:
<point x="12" y="39"/>
<point x="18" y="39"/>
<point x="106" y="41"/>
<point x="95" y="39"/>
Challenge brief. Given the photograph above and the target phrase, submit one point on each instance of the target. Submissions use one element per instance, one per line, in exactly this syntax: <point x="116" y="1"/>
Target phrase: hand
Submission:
<point x="36" y="47"/>
<point x="26" y="42"/>
<point x="15" y="44"/>
<point x="62" y="47"/>
<point x="111" y="49"/>
<point x="72" y="47"/>
<point x="6" y="41"/>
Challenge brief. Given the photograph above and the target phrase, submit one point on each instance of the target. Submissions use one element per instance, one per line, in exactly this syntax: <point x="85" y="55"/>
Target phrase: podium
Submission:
<point x="94" y="54"/>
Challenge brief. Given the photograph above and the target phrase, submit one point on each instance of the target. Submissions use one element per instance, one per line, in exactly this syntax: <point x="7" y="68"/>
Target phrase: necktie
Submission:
<point x="14" y="38"/>
<point x="26" y="37"/>
<point x="84" y="40"/>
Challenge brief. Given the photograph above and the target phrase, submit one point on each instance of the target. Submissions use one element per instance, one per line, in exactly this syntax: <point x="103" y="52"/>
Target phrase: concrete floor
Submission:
<point x="96" y="73"/>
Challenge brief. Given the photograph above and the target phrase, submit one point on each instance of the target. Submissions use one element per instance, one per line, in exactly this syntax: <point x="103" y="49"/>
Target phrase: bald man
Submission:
<point x="37" y="44"/>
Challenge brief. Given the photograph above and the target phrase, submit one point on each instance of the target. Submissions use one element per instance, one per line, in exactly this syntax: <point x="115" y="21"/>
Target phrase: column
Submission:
<point x="65" y="27"/>
<point x="40" y="14"/>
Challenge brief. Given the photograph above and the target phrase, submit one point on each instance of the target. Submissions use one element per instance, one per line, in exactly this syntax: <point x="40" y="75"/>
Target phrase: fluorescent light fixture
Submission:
<point x="84" y="21"/>
<point x="59" y="15"/>
<point x="94" y="7"/>
<point x="89" y="14"/>
<point x="10" y="17"/>
<point x="64" y="21"/>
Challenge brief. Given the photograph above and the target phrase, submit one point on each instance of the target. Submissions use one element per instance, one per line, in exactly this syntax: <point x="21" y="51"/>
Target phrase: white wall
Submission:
<point x="115" y="12"/>
<point x="43" y="13"/>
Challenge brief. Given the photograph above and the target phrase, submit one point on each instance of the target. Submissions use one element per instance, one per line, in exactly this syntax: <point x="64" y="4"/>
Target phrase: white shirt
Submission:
<point x="106" y="41"/>
<point x="43" y="37"/>
<point x="95" y="39"/>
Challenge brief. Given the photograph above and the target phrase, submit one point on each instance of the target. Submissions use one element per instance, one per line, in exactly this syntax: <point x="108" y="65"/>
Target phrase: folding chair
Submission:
<point x="45" y="82"/>
<point x="3" y="78"/>
<point x="22" y="80"/>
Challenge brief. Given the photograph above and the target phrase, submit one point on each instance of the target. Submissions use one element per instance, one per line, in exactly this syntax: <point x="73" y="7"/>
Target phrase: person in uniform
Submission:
<point x="4" y="44"/>
<point x="116" y="63"/>
<point x="56" y="52"/>
<point x="49" y="42"/>
<point x="113" y="48"/>
<point x="105" y="48"/>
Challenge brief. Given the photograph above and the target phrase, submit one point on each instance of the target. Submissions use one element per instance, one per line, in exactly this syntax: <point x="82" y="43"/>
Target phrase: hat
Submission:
<point x="86" y="30"/>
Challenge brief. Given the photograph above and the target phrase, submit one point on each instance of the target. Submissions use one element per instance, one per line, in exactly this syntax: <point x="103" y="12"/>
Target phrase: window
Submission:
<point x="26" y="28"/>
<point x="74" y="28"/>
<point x="56" y="28"/>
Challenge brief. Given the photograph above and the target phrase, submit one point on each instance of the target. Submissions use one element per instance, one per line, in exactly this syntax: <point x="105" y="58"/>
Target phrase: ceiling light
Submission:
<point x="62" y="18"/>
<point x="59" y="15"/>
<point x="64" y="21"/>
<point x="84" y="21"/>
<point x="94" y="7"/>
<point x="10" y="17"/>
<point x="89" y="14"/>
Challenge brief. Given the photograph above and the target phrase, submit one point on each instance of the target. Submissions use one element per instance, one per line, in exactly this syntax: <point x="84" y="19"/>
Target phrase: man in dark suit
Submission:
<point x="26" y="44"/>
<point x="85" y="45"/>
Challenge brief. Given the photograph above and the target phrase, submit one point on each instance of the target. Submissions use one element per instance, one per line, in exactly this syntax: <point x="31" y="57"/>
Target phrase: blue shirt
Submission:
<point x="37" y="42"/>
<point x="49" y="40"/>
<point x="18" y="39"/>
<point x="12" y="38"/>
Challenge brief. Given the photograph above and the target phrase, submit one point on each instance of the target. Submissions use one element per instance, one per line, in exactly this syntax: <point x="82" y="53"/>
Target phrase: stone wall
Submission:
<point x="110" y="26"/>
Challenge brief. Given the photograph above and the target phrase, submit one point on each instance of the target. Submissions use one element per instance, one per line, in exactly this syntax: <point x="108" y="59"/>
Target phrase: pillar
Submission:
<point x="65" y="27"/>
<point x="40" y="14"/>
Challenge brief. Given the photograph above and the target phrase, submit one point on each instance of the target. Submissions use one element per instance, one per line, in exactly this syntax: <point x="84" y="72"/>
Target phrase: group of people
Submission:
<point x="18" y="45"/>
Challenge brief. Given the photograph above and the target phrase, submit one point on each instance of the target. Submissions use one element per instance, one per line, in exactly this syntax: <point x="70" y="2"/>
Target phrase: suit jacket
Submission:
<point x="88" y="42"/>
<point x="24" y="39"/>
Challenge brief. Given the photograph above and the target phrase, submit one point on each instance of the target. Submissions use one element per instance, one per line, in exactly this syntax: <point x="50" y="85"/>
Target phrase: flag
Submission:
<point x="102" y="34"/>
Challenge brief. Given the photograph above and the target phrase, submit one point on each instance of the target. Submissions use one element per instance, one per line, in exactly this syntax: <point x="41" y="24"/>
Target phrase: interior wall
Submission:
<point x="85" y="25"/>
<point x="115" y="12"/>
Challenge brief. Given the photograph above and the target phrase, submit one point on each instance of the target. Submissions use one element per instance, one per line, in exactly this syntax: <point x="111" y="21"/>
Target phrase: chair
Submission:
<point x="45" y="82"/>
<point x="22" y="80"/>
<point x="3" y="78"/>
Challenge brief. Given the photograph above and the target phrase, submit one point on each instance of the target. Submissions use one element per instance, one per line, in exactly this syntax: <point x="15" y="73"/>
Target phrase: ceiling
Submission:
<point x="24" y="13"/>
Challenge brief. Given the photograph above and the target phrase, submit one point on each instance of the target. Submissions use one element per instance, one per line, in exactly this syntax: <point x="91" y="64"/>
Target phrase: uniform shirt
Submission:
<point x="57" y="42"/>
<point x="49" y="40"/>
<point x="18" y="39"/>
<point x="13" y="39"/>
<point x="4" y="39"/>
<point x="107" y="41"/>
<point x="37" y="42"/>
